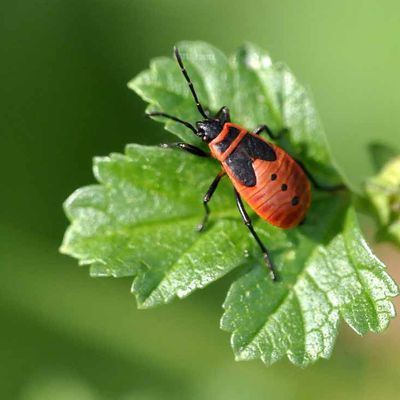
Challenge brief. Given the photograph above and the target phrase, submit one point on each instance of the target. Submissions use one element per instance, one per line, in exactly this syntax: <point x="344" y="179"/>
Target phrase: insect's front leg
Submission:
<point x="223" y="114"/>
<point x="186" y="147"/>
<point x="267" y="130"/>
<point x="248" y="223"/>
<point x="207" y="198"/>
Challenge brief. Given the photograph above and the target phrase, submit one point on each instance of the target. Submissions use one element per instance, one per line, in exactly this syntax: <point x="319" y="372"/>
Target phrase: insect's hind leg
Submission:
<point x="207" y="198"/>
<point x="320" y="186"/>
<point x="248" y="223"/>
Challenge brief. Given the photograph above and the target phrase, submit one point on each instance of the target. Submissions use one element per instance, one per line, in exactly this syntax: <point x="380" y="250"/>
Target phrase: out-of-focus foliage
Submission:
<point x="383" y="191"/>
<point x="140" y="220"/>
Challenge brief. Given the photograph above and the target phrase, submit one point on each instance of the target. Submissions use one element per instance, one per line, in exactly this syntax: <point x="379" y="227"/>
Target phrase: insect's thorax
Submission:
<point x="227" y="140"/>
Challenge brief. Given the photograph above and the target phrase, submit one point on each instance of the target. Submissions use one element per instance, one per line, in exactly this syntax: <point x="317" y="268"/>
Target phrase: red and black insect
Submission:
<point x="275" y="186"/>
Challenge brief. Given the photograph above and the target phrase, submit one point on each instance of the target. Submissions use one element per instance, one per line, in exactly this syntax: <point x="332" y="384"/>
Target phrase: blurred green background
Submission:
<point x="64" y="65"/>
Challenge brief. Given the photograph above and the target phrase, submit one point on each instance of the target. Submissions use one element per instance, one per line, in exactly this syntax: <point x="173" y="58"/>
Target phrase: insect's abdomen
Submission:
<point x="281" y="194"/>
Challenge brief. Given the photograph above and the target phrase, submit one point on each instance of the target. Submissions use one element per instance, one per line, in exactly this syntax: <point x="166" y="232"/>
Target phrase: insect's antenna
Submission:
<point x="162" y="114"/>
<point x="191" y="87"/>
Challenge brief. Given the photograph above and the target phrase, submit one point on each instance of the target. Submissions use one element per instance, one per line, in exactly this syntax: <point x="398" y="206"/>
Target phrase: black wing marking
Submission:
<point x="258" y="148"/>
<point x="229" y="138"/>
<point x="242" y="166"/>
<point x="240" y="161"/>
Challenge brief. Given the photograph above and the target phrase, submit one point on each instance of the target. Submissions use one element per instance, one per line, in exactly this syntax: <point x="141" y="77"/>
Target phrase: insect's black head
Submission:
<point x="209" y="129"/>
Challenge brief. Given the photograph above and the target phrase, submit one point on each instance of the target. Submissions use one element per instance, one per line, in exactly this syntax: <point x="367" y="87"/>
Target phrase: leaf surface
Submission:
<point x="140" y="219"/>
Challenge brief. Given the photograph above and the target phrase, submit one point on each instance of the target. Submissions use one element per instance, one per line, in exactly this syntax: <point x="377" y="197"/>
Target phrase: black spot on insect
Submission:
<point x="284" y="187"/>
<point x="295" y="201"/>
<point x="273" y="177"/>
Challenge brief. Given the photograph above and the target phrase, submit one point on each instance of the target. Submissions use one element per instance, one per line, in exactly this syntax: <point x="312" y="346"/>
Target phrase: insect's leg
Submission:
<point x="267" y="130"/>
<point x="207" y="198"/>
<point x="317" y="185"/>
<point x="247" y="221"/>
<point x="176" y="119"/>
<point x="186" y="147"/>
<point x="223" y="114"/>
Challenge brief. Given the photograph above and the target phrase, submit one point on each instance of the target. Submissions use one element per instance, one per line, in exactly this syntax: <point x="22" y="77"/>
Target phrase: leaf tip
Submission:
<point x="63" y="249"/>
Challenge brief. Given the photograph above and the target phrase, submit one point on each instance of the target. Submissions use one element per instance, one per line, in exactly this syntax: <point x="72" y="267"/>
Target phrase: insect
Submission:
<point x="275" y="185"/>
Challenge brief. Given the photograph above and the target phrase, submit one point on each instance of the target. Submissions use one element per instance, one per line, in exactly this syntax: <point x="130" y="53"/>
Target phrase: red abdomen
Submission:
<point x="281" y="194"/>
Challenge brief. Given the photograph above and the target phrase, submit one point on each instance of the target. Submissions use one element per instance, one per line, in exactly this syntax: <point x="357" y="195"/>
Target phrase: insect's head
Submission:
<point x="208" y="129"/>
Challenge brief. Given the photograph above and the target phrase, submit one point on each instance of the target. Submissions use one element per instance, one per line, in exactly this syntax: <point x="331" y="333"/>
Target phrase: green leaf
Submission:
<point x="383" y="192"/>
<point x="141" y="222"/>
<point x="140" y="219"/>
<point x="300" y="318"/>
